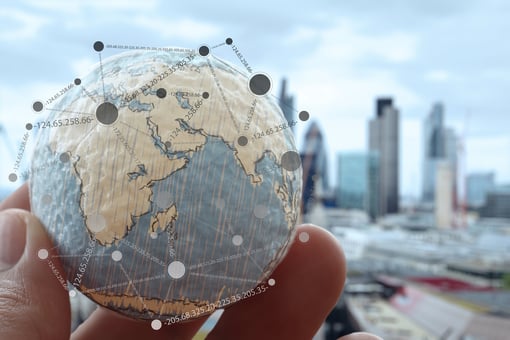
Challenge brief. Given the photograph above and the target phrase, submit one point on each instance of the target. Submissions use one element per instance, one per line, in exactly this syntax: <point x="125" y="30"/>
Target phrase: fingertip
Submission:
<point x="298" y="295"/>
<point x="19" y="199"/>
<point x="312" y="239"/>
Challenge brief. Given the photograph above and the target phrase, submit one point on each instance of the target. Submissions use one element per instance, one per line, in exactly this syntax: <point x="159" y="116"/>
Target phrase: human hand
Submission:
<point x="33" y="304"/>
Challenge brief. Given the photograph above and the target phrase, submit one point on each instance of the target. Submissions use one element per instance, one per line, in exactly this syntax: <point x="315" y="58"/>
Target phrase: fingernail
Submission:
<point x="12" y="239"/>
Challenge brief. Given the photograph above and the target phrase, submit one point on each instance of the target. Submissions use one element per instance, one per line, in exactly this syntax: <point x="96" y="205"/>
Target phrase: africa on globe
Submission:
<point x="168" y="180"/>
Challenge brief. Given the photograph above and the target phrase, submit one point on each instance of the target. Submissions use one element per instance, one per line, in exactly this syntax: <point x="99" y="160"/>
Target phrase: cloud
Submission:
<point x="302" y="35"/>
<point x="16" y="105"/>
<point x="19" y="25"/>
<point x="182" y="28"/>
<point x="83" y="65"/>
<point x="335" y="86"/>
<point x="437" y="76"/>
<point x="15" y="112"/>
<point x="345" y="41"/>
<point x="496" y="73"/>
<point x="330" y="80"/>
<point x="99" y="5"/>
<point x="338" y="56"/>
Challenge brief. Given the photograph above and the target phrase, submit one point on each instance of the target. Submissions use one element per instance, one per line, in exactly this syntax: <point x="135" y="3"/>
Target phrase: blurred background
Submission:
<point x="406" y="154"/>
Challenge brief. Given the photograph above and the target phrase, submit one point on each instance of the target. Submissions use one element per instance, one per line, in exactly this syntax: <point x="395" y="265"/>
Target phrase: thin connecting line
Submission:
<point x="84" y="138"/>
<point x="230" y="233"/>
<point x="247" y="252"/>
<point x="134" y="128"/>
<point x="67" y="111"/>
<point x="220" y="88"/>
<point x="102" y="75"/>
<point x="240" y="279"/>
<point x="88" y="94"/>
<point x="170" y="286"/>
<point x="122" y="284"/>
<point x="132" y="285"/>
<point x="230" y="67"/>
<point x="80" y="255"/>
<point x="143" y="253"/>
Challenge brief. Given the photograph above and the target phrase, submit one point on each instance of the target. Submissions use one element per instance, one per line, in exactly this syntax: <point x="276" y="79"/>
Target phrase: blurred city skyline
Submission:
<point x="338" y="57"/>
<point x="440" y="72"/>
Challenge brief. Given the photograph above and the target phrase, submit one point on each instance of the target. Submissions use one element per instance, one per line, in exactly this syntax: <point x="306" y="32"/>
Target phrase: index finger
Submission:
<point x="18" y="199"/>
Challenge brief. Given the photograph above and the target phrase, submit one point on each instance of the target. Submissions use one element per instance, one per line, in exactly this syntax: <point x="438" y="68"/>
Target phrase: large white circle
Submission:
<point x="116" y="255"/>
<point x="176" y="269"/>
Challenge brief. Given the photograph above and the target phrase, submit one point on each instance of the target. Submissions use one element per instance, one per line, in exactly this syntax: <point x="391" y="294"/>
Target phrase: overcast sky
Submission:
<point x="338" y="57"/>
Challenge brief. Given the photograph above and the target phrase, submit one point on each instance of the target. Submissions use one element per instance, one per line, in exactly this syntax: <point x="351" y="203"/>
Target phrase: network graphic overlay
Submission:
<point x="168" y="179"/>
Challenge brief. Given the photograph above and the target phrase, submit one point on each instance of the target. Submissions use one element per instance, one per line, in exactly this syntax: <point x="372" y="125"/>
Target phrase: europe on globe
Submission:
<point x="169" y="182"/>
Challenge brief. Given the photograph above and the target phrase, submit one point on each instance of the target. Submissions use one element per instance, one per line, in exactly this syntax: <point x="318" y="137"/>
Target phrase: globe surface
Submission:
<point x="169" y="183"/>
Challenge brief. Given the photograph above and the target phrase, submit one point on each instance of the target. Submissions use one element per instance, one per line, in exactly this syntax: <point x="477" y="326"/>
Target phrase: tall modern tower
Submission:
<point x="384" y="139"/>
<point x="286" y="102"/>
<point x="440" y="144"/>
<point x="358" y="182"/>
<point x="315" y="166"/>
<point x="478" y="186"/>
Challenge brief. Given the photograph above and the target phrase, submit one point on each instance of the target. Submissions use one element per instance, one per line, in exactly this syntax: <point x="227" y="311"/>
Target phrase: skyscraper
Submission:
<point x="286" y="102"/>
<point x="358" y="182"/>
<point x="315" y="167"/>
<point x="383" y="139"/>
<point x="478" y="185"/>
<point x="439" y="145"/>
<point x="352" y="180"/>
<point x="434" y="151"/>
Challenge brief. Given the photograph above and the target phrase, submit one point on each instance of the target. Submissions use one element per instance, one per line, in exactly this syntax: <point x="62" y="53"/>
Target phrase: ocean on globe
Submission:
<point x="168" y="181"/>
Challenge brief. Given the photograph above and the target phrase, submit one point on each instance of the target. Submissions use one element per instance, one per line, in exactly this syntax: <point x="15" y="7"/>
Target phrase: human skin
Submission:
<point x="33" y="304"/>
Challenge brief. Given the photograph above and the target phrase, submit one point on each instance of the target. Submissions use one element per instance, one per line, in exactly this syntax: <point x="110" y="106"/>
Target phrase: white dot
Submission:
<point x="237" y="240"/>
<point x="271" y="282"/>
<point x="176" y="269"/>
<point x="304" y="237"/>
<point x="72" y="293"/>
<point x="154" y="235"/>
<point x="260" y="211"/>
<point x="43" y="254"/>
<point x="156" y="324"/>
<point x="116" y="255"/>
<point x="96" y="223"/>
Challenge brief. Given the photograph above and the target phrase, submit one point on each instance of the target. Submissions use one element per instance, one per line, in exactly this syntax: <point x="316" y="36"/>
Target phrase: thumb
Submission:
<point x="34" y="303"/>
